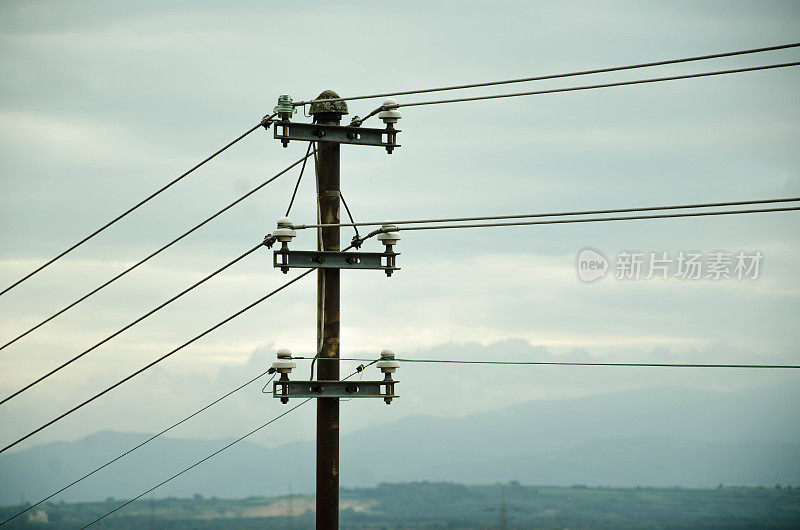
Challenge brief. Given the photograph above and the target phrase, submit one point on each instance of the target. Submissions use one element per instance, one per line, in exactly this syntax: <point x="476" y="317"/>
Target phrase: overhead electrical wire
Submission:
<point x="560" y="214"/>
<point x="580" y="363"/>
<point x="218" y="451"/>
<point x="571" y="221"/>
<point x="263" y="390"/>
<point x="153" y="254"/>
<point x="347" y="209"/>
<point x="300" y="177"/>
<point x="360" y="370"/>
<point x="437" y="361"/>
<point x="349" y="215"/>
<point x="209" y="457"/>
<point x="153" y="363"/>
<point x="652" y="80"/>
<point x="130" y="325"/>
<point x="265" y="120"/>
<point x="598" y="219"/>
<point x="561" y="75"/>
<point x="592" y="87"/>
<point x="316" y="357"/>
<point x="132" y="449"/>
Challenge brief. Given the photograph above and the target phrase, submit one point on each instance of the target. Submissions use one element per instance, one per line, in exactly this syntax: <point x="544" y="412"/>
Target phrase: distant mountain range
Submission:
<point x="655" y="437"/>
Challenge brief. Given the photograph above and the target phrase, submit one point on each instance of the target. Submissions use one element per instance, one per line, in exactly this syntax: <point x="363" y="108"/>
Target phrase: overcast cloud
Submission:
<point x="103" y="102"/>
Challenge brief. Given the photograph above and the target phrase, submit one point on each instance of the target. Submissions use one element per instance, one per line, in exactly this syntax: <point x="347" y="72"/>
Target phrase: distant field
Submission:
<point x="443" y="505"/>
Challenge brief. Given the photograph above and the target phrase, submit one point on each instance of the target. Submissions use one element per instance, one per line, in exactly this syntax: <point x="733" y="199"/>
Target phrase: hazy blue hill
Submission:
<point x="658" y="462"/>
<point x="663" y="437"/>
<point x="46" y="468"/>
<point x="551" y="427"/>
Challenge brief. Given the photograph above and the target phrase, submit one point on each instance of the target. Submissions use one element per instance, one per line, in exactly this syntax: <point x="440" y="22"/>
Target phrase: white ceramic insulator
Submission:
<point x="389" y="238"/>
<point x="284" y="366"/>
<point x="390" y="115"/>
<point x="388" y="366"/>
<point x="284" y="234"/>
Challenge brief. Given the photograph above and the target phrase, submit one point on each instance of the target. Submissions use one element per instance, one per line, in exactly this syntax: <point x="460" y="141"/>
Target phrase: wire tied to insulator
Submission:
<point x="267" y="120"/>
<point x="358" y="241"/>
<point x="284" y="366"/>
<point x="388" y="365"/>
<point x="270" y="371"/>
<point x="356" y="121"/>
<point x="269" y="240"/>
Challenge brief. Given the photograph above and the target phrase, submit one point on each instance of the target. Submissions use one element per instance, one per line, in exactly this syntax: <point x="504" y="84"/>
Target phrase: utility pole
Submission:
<point x="327" y="134"/>
<point x="327" y="169"/>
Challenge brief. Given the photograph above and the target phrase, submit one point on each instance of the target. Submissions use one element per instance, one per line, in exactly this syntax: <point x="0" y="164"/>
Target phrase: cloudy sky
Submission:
<point x="103" y="102"/>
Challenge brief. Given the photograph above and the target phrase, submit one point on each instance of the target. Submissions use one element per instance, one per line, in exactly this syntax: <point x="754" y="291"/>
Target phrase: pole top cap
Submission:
<point x="326" y="107"/>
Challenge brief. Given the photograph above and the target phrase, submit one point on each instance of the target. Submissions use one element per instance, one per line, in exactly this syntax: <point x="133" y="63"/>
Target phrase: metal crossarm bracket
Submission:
<point x="306" y="259"/>
<point x="342" y="134"/>
<point x="334" y="389"/>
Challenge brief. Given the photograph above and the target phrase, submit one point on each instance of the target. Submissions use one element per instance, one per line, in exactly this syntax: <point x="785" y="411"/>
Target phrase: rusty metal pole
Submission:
<point x="327" y="169"/>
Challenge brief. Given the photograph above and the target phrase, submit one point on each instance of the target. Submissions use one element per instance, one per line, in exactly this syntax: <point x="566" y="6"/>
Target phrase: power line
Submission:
<point x="557" y="76"/>
<point x="570" y="221"/>
<point x="314" y="359"/>
<point x="152" y="255"/>
<point x="212" y="455"/>
<point x="352" y="221"/>
<point x="154" y="310"/>
<point x="135" y="206"/>
<point x="602" y="85"/>
<point x="129" y="451"/>
<point x="377" y="231"/>
<point x="559" y="214"/>
<point x="450" y="361"/>
<point x="300" y="177"/>
<point x="569" y="363"/>
<point x="597" y="219"/>
<point x="215" y="453"/>
<point x="153" y="363"/>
